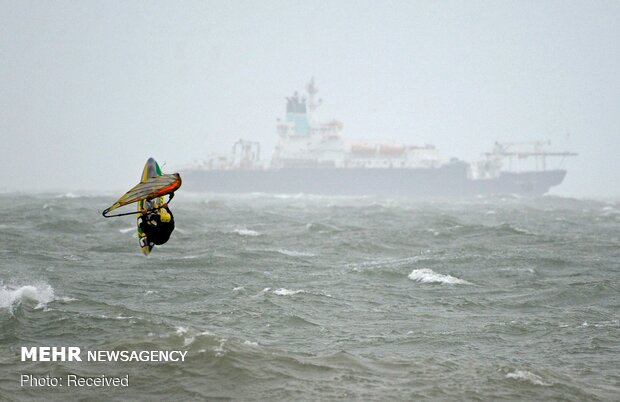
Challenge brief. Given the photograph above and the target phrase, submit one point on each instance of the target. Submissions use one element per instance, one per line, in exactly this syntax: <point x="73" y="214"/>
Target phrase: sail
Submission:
<point x="151" y="188"/>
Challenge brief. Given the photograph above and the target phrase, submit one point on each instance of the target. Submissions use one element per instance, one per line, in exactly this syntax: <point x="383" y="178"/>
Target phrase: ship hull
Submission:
<point x="446" y="181"/>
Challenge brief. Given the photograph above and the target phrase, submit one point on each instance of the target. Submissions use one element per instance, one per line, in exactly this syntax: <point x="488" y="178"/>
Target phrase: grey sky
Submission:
<point x="89" y="90"/>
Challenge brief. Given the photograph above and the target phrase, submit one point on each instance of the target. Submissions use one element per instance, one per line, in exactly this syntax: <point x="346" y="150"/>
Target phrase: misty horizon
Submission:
<point x="92" y="90"/>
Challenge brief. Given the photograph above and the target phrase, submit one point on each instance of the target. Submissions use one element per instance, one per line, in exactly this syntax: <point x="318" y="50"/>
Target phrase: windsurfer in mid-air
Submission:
<point x="157" y="224"/>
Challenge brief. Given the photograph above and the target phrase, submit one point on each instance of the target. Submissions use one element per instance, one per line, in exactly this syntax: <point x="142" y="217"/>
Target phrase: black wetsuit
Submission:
<point x="156" y="231"/>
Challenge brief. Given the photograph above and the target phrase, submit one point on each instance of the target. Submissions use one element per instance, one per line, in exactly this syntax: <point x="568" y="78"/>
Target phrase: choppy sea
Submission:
<point x="318" y="298"/>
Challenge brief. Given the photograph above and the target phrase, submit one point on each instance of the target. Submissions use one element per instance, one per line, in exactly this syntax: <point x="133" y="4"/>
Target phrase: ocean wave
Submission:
<point x="219" y="350"/>
<point x="524" y="375"/>
<point x="246" y="232"/>
<point x="609" y="211"/>
<point x="384" y="262"/>
<point x="507" y="228"/>
<point x="426" y="275"/>
<point x="69" y="195"/>
<point x="118" y="317"/>
<point x="604" y="324"/>
<point x="289" y="292"/>
<point x="13" y="296"/>
<point x="286" y="292"/>
<point x="72" y="257"/>
<point x="321" y="227"/>
<point x="291" y="253"/>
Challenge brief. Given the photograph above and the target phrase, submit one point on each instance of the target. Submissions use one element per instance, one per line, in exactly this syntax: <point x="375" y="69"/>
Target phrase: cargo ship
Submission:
<point x="313" y="157"/>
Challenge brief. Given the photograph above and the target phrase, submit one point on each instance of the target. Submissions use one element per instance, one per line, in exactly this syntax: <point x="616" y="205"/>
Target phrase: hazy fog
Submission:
<point x="89" y="90"/>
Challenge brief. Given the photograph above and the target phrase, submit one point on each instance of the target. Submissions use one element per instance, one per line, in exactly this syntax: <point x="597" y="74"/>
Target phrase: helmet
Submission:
<point x="164" y="215"/>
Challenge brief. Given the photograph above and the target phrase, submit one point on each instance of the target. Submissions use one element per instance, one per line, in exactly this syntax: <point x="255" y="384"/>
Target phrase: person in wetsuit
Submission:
<point x="157" y="225"/>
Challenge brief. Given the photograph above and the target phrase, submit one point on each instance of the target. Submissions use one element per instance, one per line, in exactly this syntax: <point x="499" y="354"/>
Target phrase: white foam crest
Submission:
<point x="286" y="292"/>
<point x="246" y="232"/>
<point x="524" y="375"/>
<point x="219" y="350"/>
<point x="426" y="275"/>
<point x="12" y="296"/>
<point x="289" y="196"/>
<point x="612" y="323"/>
<point x="189" y="336"/>
<point x="69" y="195"/>
<point x="72" y="257"/>
<point x="118" y="317"/>
<point x="292" y="253"/>
<point x="609" y="211"/>
<point x="126" y="230"/>
<point x="384" y="262"/>
<point x="180" y="331"/>
<point x="250" y="343"/>
<point x="238" y="288"/>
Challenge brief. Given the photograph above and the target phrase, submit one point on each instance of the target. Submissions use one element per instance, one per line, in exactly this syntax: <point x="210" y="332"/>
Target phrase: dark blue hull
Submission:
<point x="446" y="181"/>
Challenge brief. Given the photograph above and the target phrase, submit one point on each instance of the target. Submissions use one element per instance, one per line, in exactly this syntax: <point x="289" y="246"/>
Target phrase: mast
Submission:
<point x="312" y="103"/>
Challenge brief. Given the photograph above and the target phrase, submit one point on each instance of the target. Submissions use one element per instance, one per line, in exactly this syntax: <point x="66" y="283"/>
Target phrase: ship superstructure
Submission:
<point x="314" y="157"/>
